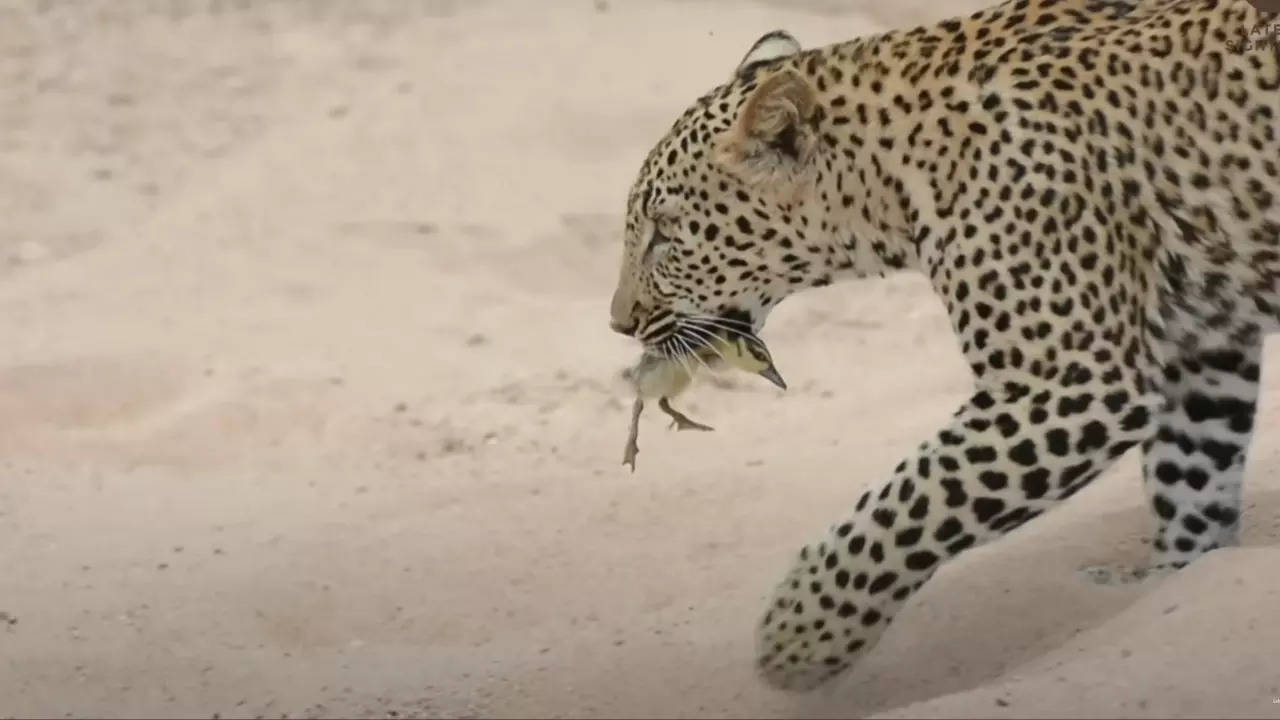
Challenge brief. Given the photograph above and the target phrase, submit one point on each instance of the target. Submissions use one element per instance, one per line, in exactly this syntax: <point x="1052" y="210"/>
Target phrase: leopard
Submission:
<point x="1091" y="189"/>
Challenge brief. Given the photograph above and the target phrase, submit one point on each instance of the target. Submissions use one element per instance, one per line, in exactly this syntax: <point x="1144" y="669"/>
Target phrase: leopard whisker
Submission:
<point x="716" y="324"/>
<point x="682" y="356"/>
<point x="705" y="339"/>
<point x="749" y="336"/>
<point x="688" y="344"/>
<point x="662" y="349"/>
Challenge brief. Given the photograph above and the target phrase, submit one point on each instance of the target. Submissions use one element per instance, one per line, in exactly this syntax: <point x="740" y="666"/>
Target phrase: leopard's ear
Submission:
<point x="770" y="46"/>
<point x="775" y="134"/>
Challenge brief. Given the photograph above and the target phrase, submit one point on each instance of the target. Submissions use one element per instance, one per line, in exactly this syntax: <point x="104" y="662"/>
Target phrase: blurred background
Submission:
<point x="309" y="406"/>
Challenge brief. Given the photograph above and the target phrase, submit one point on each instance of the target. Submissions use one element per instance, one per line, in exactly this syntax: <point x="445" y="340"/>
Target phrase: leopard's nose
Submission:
<point x="628" y="328"/>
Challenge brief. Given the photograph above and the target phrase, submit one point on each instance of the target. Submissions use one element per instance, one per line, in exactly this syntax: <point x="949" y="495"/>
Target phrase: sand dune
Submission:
<point x="310" y="408"/>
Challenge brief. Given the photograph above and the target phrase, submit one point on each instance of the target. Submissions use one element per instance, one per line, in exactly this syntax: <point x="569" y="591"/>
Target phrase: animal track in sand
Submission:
<point x="119" y="400"/>
<point x="1120" y="574"/>
<point x="87" y="393"/>
<point x="18" y="254"/>
<point x="569" y="260"/>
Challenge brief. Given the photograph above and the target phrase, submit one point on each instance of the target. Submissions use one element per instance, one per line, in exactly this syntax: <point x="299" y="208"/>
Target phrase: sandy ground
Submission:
<point x="308" y="406"/>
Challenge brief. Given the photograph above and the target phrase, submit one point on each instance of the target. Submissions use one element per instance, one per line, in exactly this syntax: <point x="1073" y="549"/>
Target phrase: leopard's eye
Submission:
<point x="657" y="241"/>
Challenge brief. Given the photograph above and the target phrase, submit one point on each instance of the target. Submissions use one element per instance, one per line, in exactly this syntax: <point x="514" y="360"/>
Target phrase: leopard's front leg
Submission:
<point x="1004" y="458"/>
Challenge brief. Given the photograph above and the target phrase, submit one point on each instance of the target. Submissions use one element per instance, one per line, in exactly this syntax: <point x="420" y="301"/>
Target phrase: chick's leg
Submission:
<point x="679" y="420"/>
<point x="632" y="449"/>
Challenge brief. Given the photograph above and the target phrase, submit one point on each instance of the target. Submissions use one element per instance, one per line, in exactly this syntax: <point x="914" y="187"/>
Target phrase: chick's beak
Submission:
<point x="771" y="374"/>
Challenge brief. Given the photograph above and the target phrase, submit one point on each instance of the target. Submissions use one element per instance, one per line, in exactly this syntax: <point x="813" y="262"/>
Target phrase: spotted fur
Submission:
<point x="1092" y="188"/>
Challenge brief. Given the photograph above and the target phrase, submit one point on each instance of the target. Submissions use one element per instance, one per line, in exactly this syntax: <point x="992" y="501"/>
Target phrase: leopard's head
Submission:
<point x="718" y="227"/>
